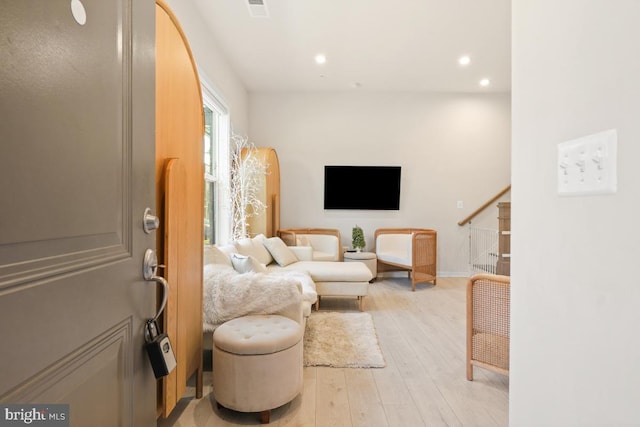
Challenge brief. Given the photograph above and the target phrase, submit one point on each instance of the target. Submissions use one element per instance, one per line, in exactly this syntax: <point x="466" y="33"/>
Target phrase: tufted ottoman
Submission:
<point x="257" y="363"/>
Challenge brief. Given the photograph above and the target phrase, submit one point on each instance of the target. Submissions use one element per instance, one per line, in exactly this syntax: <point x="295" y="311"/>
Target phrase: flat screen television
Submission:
<point x="362" y="187"/>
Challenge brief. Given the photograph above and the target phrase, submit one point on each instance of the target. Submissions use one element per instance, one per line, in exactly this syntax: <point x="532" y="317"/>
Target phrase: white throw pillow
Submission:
<point x="247" y="264"/>
<point x="280" y="251"/>
<point x="213" y="255"/>
<point x="228" y="249"/>
<point x="255" y="248"/>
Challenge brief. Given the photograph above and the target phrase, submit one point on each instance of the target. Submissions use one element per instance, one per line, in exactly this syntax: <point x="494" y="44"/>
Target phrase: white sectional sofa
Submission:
<point x="244" y="271"/>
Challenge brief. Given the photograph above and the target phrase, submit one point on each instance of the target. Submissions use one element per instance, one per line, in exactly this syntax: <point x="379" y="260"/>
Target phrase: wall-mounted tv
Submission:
<point x="362" y="187"/>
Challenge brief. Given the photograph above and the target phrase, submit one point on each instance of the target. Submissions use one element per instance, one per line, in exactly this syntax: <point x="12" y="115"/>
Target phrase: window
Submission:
<point x="210" y="175"/>
<point x="216" y="170"/>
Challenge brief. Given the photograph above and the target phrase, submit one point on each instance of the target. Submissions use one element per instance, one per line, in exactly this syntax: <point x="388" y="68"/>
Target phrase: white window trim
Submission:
<point x="223" y="166"/>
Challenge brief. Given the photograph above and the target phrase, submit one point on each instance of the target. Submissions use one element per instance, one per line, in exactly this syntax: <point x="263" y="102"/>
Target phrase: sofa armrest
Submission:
<point x="294" y="237"/>
<point x="288" y="237"/>
<point x="303" y="253"/>
<point x="293" y="311"/>
<point x="326" y="247"/>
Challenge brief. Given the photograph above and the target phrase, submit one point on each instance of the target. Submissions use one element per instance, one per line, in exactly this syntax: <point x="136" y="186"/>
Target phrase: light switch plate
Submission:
<point x="588" y="165"/>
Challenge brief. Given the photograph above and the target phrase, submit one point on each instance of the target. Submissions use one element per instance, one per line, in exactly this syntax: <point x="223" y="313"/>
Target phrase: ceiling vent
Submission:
<point x="258" y="8"/>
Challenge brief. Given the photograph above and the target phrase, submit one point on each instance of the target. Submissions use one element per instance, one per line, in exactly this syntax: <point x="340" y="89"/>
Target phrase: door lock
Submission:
<point x="150" y="222"/>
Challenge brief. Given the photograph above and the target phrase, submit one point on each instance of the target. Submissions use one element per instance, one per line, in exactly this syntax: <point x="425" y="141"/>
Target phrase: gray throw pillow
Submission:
<point x="246" y="264"/>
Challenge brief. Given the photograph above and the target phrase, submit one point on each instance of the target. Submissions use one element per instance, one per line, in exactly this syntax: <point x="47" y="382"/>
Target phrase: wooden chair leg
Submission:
<point x="361" y="298"/>
<point x="318" y="303"/>
<point x="265" y="417"/>
<point x="199" y="380"/>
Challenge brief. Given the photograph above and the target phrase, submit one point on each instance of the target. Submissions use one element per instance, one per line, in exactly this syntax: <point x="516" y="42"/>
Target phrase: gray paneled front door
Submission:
<point x="76" y="172"/>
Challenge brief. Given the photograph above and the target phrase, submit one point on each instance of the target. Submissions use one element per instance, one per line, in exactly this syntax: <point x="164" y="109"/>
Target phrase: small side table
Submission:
<point x="368" y="258"/>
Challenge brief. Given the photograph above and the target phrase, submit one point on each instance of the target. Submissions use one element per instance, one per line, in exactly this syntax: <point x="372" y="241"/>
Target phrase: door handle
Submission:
<point x="149" y="269"/>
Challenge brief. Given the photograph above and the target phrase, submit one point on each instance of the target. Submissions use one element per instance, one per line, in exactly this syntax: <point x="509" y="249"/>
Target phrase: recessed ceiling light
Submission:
<point x="485" y="82"/>
<point x="464" y="60"/>
<point x="320" y="59"/>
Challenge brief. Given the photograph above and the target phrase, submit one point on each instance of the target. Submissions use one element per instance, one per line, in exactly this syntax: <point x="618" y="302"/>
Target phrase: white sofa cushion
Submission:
<point x="303" y="253"/>
<point x="280" y="251"/>
<point x="324" y="256"/>
<point x="325" y="246"/>
<point x="395" y="248"/>
<point x="246" y="264"/>
<point x="255" y="248"/>
<point x="333" y="271"/>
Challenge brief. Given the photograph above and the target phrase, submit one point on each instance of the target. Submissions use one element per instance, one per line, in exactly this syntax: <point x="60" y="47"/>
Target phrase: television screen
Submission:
<point x="362" y="187"/>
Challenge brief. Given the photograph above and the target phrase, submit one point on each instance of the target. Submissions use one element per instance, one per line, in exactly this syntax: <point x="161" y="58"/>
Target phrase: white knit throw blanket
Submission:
<point x="228" y="294"/>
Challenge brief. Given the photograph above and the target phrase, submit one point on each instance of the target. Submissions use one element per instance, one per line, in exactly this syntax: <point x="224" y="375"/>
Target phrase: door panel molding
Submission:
<point x="65" y="241"/>
<point x="19" y="276"/>
<point x="109" y="351"/>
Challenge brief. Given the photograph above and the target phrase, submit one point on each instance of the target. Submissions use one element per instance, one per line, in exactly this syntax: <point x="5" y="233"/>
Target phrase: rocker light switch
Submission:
<point x="587" y="165"/>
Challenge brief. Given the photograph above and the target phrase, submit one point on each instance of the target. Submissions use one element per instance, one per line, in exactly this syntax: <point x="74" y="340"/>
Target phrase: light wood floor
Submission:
<point x="422" y="337"/>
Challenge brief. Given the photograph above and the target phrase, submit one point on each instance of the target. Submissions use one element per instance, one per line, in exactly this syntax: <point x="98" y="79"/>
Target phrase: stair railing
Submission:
<point x="483" y="250"/>
<point x="485" y="205"/>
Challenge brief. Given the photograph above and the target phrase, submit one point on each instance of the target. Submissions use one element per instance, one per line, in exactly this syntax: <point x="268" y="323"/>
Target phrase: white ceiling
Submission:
<point x="399" y="45"/>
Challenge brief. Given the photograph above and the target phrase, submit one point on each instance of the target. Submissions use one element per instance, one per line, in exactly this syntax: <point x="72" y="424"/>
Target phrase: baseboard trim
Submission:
<point x="454" y="274"/>
<point x="440" y="274"/>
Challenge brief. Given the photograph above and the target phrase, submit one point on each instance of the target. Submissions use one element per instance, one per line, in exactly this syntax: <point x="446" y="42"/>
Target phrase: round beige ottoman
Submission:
<point x="367" y="258"/>
<point x="257" y="363"/>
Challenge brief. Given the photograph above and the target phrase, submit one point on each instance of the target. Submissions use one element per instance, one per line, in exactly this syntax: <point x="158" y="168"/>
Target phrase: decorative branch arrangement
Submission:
<point x="246" y="174"/>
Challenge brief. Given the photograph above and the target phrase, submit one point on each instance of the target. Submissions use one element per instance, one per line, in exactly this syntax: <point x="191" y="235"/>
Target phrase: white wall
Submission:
<point x="575" y="294"/>
<point x="212" y="63"/>
<point x="450" y="147"/>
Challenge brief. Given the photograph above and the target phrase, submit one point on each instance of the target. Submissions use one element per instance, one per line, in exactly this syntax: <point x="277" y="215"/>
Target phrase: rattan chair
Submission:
<point x="408" y="249"/>
<point x="488" y="318"/>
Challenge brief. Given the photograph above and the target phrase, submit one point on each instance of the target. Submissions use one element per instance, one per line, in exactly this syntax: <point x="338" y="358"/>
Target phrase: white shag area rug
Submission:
<point x="342" y="340"/>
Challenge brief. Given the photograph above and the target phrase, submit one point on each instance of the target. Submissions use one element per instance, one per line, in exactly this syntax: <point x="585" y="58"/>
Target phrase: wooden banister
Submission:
<point x="484" y="206"/>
